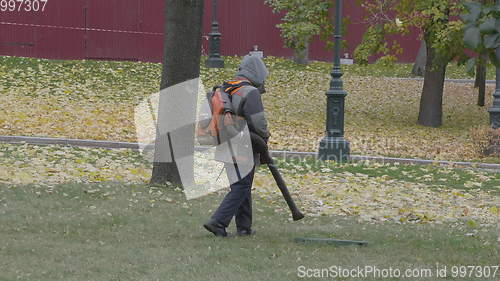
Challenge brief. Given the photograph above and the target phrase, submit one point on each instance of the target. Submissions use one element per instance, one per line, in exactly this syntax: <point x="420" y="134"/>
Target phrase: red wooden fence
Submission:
<point x="133" y="29"/>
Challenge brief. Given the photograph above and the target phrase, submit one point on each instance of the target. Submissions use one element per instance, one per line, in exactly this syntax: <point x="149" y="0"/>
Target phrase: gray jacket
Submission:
<point x="247" y="104"/>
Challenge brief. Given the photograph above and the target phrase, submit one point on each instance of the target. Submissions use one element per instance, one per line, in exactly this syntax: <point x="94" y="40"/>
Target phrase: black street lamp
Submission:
<point x="495" y="108"/>
<point x="334" y="146"/>
<point x="214" y="60"/>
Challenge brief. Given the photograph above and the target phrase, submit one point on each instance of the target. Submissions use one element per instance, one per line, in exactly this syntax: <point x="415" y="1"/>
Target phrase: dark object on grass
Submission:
<point x="336" y="242"/>
<point x="216" y="228"/>
<point x="245" y="232"/>
<point x="260" y="146"/>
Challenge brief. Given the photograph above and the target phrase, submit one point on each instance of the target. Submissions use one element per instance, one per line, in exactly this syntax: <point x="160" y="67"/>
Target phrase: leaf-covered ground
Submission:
<point x="371" y="192"/>
<point x="95" y="100"/>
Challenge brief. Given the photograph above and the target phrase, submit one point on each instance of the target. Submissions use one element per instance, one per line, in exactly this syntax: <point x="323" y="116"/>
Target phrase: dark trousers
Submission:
<point x="237" y="203"/>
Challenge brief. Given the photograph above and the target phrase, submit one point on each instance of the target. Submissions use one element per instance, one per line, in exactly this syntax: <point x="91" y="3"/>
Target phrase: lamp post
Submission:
<point x="495" y="108"/>
<point x="334" y="146"/>
<point x="214" y="60"/>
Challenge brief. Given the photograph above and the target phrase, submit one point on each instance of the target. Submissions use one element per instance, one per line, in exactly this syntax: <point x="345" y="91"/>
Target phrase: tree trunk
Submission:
<point x="480" y="82"/>
<point x="419" y="65"/>
<point x="181" y="62"/>
<point x="431" y="102"/>
<point x="302" y="56"/>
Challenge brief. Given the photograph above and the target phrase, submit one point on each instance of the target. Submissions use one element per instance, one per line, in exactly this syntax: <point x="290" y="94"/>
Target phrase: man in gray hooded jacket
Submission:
<point x="246" y="90"/>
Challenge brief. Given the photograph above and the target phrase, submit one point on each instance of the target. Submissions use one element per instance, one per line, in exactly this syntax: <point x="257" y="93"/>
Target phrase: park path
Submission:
<point x="275" y="153"/>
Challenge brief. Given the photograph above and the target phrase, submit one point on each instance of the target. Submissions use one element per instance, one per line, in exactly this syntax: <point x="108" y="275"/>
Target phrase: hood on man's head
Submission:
<point x="254" y="69"/>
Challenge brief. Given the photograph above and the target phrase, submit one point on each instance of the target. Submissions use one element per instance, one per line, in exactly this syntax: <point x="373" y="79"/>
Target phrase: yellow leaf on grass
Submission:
<point x="24" y="178"/>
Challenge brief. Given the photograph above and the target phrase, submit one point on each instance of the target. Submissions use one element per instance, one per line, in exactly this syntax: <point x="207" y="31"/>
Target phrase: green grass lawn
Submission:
<point x="133" y="232"/>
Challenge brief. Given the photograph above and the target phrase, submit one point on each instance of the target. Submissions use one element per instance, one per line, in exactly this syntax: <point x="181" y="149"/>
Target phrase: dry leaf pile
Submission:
<point x="383" y="199"/>
<point x="96" y="100"/>
<point x="375" y="198"/>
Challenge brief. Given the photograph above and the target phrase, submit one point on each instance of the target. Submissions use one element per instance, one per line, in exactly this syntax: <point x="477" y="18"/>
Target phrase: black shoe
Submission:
<point x="216" y="228"/>
<point x="245" y="232"/>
